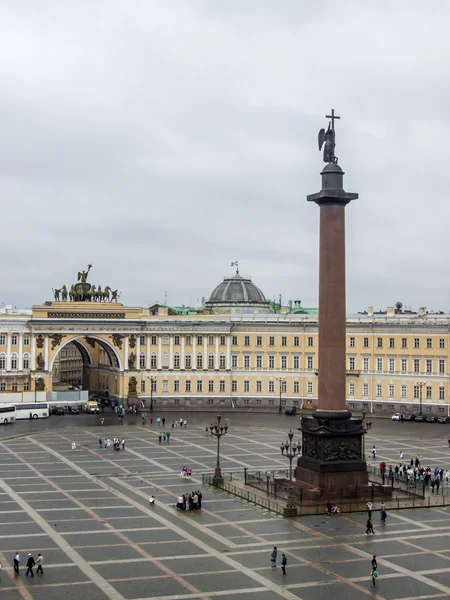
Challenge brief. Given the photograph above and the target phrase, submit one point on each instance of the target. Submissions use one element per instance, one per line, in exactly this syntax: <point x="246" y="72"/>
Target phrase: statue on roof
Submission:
<point x="82" y="275"/>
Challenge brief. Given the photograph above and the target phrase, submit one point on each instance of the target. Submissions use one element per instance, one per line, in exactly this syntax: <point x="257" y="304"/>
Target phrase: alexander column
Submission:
<point x="332" y="454"/>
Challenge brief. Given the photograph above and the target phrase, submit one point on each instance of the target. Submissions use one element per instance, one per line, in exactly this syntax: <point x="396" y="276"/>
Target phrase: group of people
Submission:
<point x="31" y="563"/>
<point x="117" y="443"/>
<point x="273" y="560"/>
<point x="186" y="472"/>
<point x="414" y="472"/>
<point x="193" y="501"/>
<point x="164" y="437"/>
<point x="162" y="421"/>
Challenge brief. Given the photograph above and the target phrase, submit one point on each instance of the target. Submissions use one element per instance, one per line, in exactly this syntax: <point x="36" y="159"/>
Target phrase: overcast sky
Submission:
<point x="161" y="140"/>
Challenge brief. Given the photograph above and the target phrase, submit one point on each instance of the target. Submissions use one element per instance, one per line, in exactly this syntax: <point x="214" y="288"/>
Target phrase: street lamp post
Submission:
<point x="152" y="379"/>
<point x="281" y="380"/>
<point x="218" y="430"/>
<point x="290" y="449"/>
<point x="420" y="384"/>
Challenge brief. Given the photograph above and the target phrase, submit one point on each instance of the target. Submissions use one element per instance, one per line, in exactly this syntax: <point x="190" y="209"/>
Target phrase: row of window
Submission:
<point x="14" y="386"/>
<point x="404" y="342"/>
<point x="429" y="365"/>
<point x="15" y="361"/>
<point x="403" y="391"/>
<point x="403" y="364"/>
<point x="211" y="364"/>
<point x="211" y="340"/>
<point x="222" y="339"/>
<point x="223" y="386"/>
<point x="14" y="340"/>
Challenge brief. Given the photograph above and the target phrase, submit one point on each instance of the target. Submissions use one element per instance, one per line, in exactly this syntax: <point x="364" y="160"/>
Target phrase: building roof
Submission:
<point x="235" y="290"/>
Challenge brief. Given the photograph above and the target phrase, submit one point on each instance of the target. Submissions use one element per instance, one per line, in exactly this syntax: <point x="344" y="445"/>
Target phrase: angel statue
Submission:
<point x="327" y="140"/>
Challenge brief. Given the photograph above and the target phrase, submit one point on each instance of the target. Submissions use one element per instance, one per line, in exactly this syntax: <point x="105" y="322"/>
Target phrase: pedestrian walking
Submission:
<point x="374" y="563"/>
<point x="374" y="575"/>
<point x="383" y="515"/>
<point x="401" y="454"/>
<point x="164" y="421"/>
<point x="158" y="421"/>
<point x="283" y="563"/>
<point x="200" y="495"/>
<point x="173" y="424"/>
<point x="181" y="422"/>
<point x="168" y="436"/>
<point x="30" y="565"/>
<point x="39" y="562"/>
<point x="151" y="421"/>
<point x="151" y="500"/>
<point x="100" y="443"/>
<point x="369" y="527"/>
<point x="369" y="507"/>
<point x="16" y="563"/>
<point x="159" y="438"/>
<point x="74" y="446"/>
<point x="374" y="452"/>
<point x="185" y="423"/>
<point x="123" y="444"/>
<point x="102" y="420"/>
<point x="273" y="557"/>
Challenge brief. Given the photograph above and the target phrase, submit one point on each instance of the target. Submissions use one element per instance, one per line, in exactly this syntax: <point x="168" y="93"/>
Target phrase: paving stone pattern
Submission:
<point x="87" y="512"/>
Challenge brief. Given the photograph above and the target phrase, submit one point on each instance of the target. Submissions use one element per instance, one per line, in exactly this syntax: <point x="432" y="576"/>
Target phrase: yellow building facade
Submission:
<point x="236" y="350"/>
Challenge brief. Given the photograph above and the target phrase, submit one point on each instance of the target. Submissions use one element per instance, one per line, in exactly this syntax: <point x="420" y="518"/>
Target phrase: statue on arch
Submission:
<point x="82" y="275"/>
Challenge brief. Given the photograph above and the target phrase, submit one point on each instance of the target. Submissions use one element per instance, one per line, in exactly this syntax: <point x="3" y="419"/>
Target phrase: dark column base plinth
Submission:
<point x="332" y="461"/>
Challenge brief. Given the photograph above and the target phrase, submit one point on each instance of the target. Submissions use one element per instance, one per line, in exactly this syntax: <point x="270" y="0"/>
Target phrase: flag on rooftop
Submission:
<point x="235" y="263"/>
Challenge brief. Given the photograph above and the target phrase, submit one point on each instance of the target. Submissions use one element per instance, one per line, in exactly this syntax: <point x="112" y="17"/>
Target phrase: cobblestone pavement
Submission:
<point x="87" y="512"/>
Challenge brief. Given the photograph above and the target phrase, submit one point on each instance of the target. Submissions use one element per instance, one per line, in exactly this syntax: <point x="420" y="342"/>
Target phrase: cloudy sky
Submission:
<point x="162" y="140"/>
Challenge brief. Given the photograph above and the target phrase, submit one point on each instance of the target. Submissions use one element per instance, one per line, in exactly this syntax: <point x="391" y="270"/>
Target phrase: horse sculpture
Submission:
<point x="64" y="293"/>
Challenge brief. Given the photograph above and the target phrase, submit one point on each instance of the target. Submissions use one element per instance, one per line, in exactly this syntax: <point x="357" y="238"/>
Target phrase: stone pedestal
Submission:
<point x="332" y="457"/>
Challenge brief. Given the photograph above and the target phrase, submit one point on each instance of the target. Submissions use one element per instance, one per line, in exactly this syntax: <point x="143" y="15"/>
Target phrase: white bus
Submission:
<point x="7" y="414"/>
<point x="35" y="410"/>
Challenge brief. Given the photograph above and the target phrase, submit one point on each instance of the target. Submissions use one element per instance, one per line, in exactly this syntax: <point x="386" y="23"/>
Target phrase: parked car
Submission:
<point x="58" y="410"/>
<point x="444" y="420"/>
<point x="409" y="418"/>
<point x="396" y="417"/>
<point x="421" y="419"/>
<point x="74" y="410"/>
<point x="431" y="419"/>
<point x="291" y="410"/>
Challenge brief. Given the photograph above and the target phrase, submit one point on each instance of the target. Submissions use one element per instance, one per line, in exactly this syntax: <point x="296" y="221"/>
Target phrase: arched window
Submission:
<point x="199" y="360"/>
<point x="2" y="360"/>
<point x="26" y="361"/>
<point x="222" y="361"/>
<point x="13" y="360"/>
<point x="153" y="362"/>
<point x="165" y="360"/>
<point x="211" y="361"/>
<point x="188" y="361"/>
<point x="176" y="360"/>
<point x="142" y="360"/>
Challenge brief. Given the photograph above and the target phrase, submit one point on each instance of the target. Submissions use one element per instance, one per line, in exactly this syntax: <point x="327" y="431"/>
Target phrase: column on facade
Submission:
<point x="8" y="351"/>
<point x="228" y="352"/>
<point x="171" y="353"/>
<point x="216" y="359"/>
<point x="20" y="359"/>
<point x="183" y="363"/>
<point x="33" y="353"/>
<point x="205" y="352"/>
<point x="127" y="346"/>
<point x="46" y="365"/>
<point x="159" y="352"/>
<point x="147" y="354"/>
<point x="194" y="351"/>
